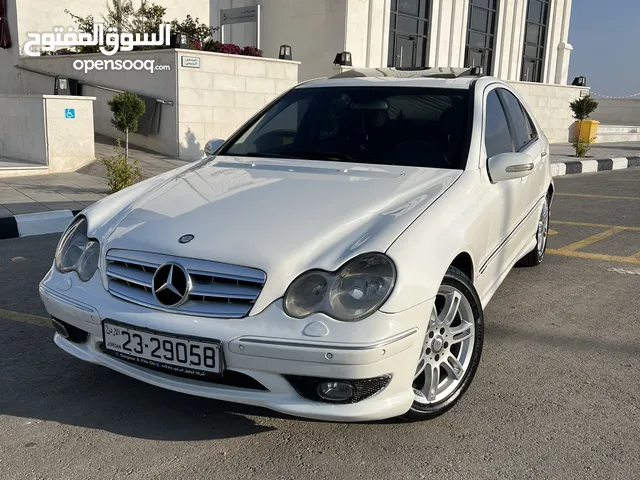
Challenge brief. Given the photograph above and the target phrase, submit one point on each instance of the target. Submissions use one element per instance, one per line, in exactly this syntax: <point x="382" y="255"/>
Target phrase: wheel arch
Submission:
<point x="464" y="263"/>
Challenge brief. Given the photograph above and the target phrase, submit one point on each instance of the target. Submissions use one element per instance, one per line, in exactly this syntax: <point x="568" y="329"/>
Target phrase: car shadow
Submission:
<point x="40" y="382"/>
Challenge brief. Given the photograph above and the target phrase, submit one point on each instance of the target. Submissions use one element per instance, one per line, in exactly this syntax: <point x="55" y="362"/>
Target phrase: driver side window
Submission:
<point x="497" y="138"/>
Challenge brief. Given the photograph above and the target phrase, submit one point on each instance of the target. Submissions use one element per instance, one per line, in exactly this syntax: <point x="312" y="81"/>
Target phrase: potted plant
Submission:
<point x="582" y="109"/>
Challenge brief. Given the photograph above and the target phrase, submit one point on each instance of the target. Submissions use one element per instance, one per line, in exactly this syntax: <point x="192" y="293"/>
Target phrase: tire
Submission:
<point x="466" y="328"/>
<point x="536" y="256"/>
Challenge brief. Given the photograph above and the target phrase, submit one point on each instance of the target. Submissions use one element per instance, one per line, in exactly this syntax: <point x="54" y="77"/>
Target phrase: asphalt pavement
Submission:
<point x="557" y="394"/>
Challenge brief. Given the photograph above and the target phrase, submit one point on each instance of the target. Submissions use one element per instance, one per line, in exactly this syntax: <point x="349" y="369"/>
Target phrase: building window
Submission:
<point x="408" y="33"/>
<point x="535" y="35"/>
<point x="481" y="31"/>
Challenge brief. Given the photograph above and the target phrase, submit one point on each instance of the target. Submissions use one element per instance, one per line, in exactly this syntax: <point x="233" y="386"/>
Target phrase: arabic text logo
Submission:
<point x="109" y="43"/>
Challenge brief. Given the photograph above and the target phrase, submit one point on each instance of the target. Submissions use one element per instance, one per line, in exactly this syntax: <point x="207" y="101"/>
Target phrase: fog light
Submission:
<point x="335" y="391"/>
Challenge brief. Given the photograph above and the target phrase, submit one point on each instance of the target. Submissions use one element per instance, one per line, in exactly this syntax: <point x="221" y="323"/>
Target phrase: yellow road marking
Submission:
<point x="636" y="255"/>
<point x="552" y="232"/>
<point x="595" y="225"/>
<point x="589" y="240"/>
<point x="588" y="195"/>
<point x="593" y="256"/>
<point x="26" y="318"/>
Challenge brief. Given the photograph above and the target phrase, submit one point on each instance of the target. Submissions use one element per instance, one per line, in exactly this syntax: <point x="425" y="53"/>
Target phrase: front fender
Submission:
<point x="424" y="252"/>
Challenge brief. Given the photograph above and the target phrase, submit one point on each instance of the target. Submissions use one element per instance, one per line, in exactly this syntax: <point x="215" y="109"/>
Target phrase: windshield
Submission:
<point x="421" y="127"/>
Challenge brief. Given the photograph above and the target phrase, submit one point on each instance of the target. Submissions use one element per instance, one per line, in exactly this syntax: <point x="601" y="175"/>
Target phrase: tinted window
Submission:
<point x="422" y="127"/>
<point x="497" y="138"/>
<point x="521" y="130"/>
<point x="531" y="127"/>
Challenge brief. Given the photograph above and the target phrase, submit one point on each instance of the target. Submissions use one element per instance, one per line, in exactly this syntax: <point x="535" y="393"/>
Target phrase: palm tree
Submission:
<point x="118" y="15"/>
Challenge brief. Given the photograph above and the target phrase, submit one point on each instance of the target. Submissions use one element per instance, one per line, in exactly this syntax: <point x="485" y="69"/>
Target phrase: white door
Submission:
<point x="509" y="197"/>
<point x="527" y="140"/>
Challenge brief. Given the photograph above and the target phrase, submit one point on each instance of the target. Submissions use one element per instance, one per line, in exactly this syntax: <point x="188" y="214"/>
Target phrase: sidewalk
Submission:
<point x="564" y="152"/>
<point x="73" y="191"/>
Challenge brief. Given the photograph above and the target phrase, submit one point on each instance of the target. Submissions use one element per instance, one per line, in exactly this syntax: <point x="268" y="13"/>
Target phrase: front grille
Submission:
<point x="307" y="387"/>
<point x="219" y="290"/>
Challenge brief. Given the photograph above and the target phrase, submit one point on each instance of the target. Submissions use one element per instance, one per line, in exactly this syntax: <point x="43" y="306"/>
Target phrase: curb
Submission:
<point x="36" y="223"/>
<point x="590" y="166"/>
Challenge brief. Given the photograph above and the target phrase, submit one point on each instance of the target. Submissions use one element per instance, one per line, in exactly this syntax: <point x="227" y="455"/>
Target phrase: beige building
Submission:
<point x="512" y="39"/>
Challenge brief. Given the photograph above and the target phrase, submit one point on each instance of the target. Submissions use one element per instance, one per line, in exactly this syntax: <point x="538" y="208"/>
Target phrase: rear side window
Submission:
<point x="522" y="133"/>
<point x="497" y="138"/>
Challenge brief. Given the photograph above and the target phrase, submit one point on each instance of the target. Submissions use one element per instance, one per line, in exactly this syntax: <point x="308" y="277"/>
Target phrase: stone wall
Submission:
<point x="223" y="92"/>
<point x="53" y="130"/>
<point x="22" y="128"/>
<point x="613" y="111"/>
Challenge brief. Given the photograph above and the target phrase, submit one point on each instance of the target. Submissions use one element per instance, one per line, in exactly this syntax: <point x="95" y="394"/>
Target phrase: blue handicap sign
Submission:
<point x="69" y="113"/>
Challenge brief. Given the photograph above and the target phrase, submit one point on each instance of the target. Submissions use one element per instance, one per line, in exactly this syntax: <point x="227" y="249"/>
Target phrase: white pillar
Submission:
<point x="564" y="48"/>
<point x="447" y="35"/>
<point x="504" y="40"/>
<point x="517" y="42"/>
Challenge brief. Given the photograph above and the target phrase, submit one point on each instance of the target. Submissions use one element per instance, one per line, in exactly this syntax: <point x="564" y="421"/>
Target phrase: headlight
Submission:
<point x="351" y="293"/>
<point x="76" y="252"/>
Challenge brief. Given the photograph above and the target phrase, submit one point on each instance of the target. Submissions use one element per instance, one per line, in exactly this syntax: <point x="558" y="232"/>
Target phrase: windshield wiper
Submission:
<point x="331" y="156"/>
<point x="256" y="154"/>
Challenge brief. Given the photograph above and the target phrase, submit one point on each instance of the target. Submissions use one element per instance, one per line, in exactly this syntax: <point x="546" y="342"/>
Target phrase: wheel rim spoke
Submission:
<point x="453" y="368"/>
<point x="422" y="364"/>
<point x="431" y="383"/>
<point x="451" y="306"/>
<point x="461" y="332"/>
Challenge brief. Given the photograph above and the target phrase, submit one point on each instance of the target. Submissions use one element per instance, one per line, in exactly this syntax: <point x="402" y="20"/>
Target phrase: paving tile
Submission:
<point x="13" y="196"/>
<point x="43" y="195"/>
<point x="63" y="205"/>
<point x="22" y="208"/>
<point x="5" y="212"/>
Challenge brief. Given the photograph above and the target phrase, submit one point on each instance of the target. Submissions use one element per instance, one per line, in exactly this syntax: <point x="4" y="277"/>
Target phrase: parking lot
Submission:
<point x="557" y="394"/>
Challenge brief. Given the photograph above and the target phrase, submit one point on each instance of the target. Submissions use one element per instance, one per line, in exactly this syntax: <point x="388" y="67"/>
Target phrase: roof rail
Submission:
<point x="411" y="72"/>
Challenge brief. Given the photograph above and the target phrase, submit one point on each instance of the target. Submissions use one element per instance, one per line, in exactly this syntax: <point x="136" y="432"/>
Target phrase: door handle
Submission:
<point x="543" y="154"/>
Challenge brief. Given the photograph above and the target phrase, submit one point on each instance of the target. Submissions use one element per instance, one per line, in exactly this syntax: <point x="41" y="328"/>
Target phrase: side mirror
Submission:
<point x="509" y="166"/>
<point x="212" y="145"/>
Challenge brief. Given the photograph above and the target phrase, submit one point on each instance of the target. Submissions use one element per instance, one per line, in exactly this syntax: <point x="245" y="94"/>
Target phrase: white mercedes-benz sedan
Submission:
<point x="330" y="260"/>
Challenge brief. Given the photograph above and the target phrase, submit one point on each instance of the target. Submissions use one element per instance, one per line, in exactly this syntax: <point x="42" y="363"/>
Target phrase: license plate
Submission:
<point x="176" y="355"/>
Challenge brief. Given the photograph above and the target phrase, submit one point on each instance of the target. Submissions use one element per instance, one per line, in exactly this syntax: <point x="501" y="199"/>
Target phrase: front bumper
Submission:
<point x="269" y="347"/>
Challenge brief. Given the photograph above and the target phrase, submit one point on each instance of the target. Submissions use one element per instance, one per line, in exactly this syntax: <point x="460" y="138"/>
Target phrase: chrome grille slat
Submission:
<point x="219" y="290"/>
<point x="225" y="290"/>
<point x="131" y="275"/>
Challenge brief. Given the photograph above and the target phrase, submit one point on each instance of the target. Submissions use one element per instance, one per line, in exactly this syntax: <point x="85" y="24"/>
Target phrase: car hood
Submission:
<point x="281" y="216"/>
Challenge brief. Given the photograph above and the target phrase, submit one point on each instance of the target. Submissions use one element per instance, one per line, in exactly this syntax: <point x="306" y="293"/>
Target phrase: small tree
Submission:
<point x="582" y="109"/>
<point x="127" y="108"/>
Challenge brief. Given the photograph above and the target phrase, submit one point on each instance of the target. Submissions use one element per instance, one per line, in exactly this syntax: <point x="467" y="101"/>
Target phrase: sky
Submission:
<point x="606" y="45"/>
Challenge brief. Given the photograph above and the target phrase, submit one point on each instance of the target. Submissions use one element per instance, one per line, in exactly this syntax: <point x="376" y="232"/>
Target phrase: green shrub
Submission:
<point x="583" y="107"/>
<point x="197" y="31"/>
<point x="121" y="173"/>
<point x="127" y="108"/>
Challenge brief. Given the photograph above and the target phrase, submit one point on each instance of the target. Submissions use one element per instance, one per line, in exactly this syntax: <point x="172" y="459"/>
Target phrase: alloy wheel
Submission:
<point x="448" y="347"/>
<point x="543" y="229"/>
